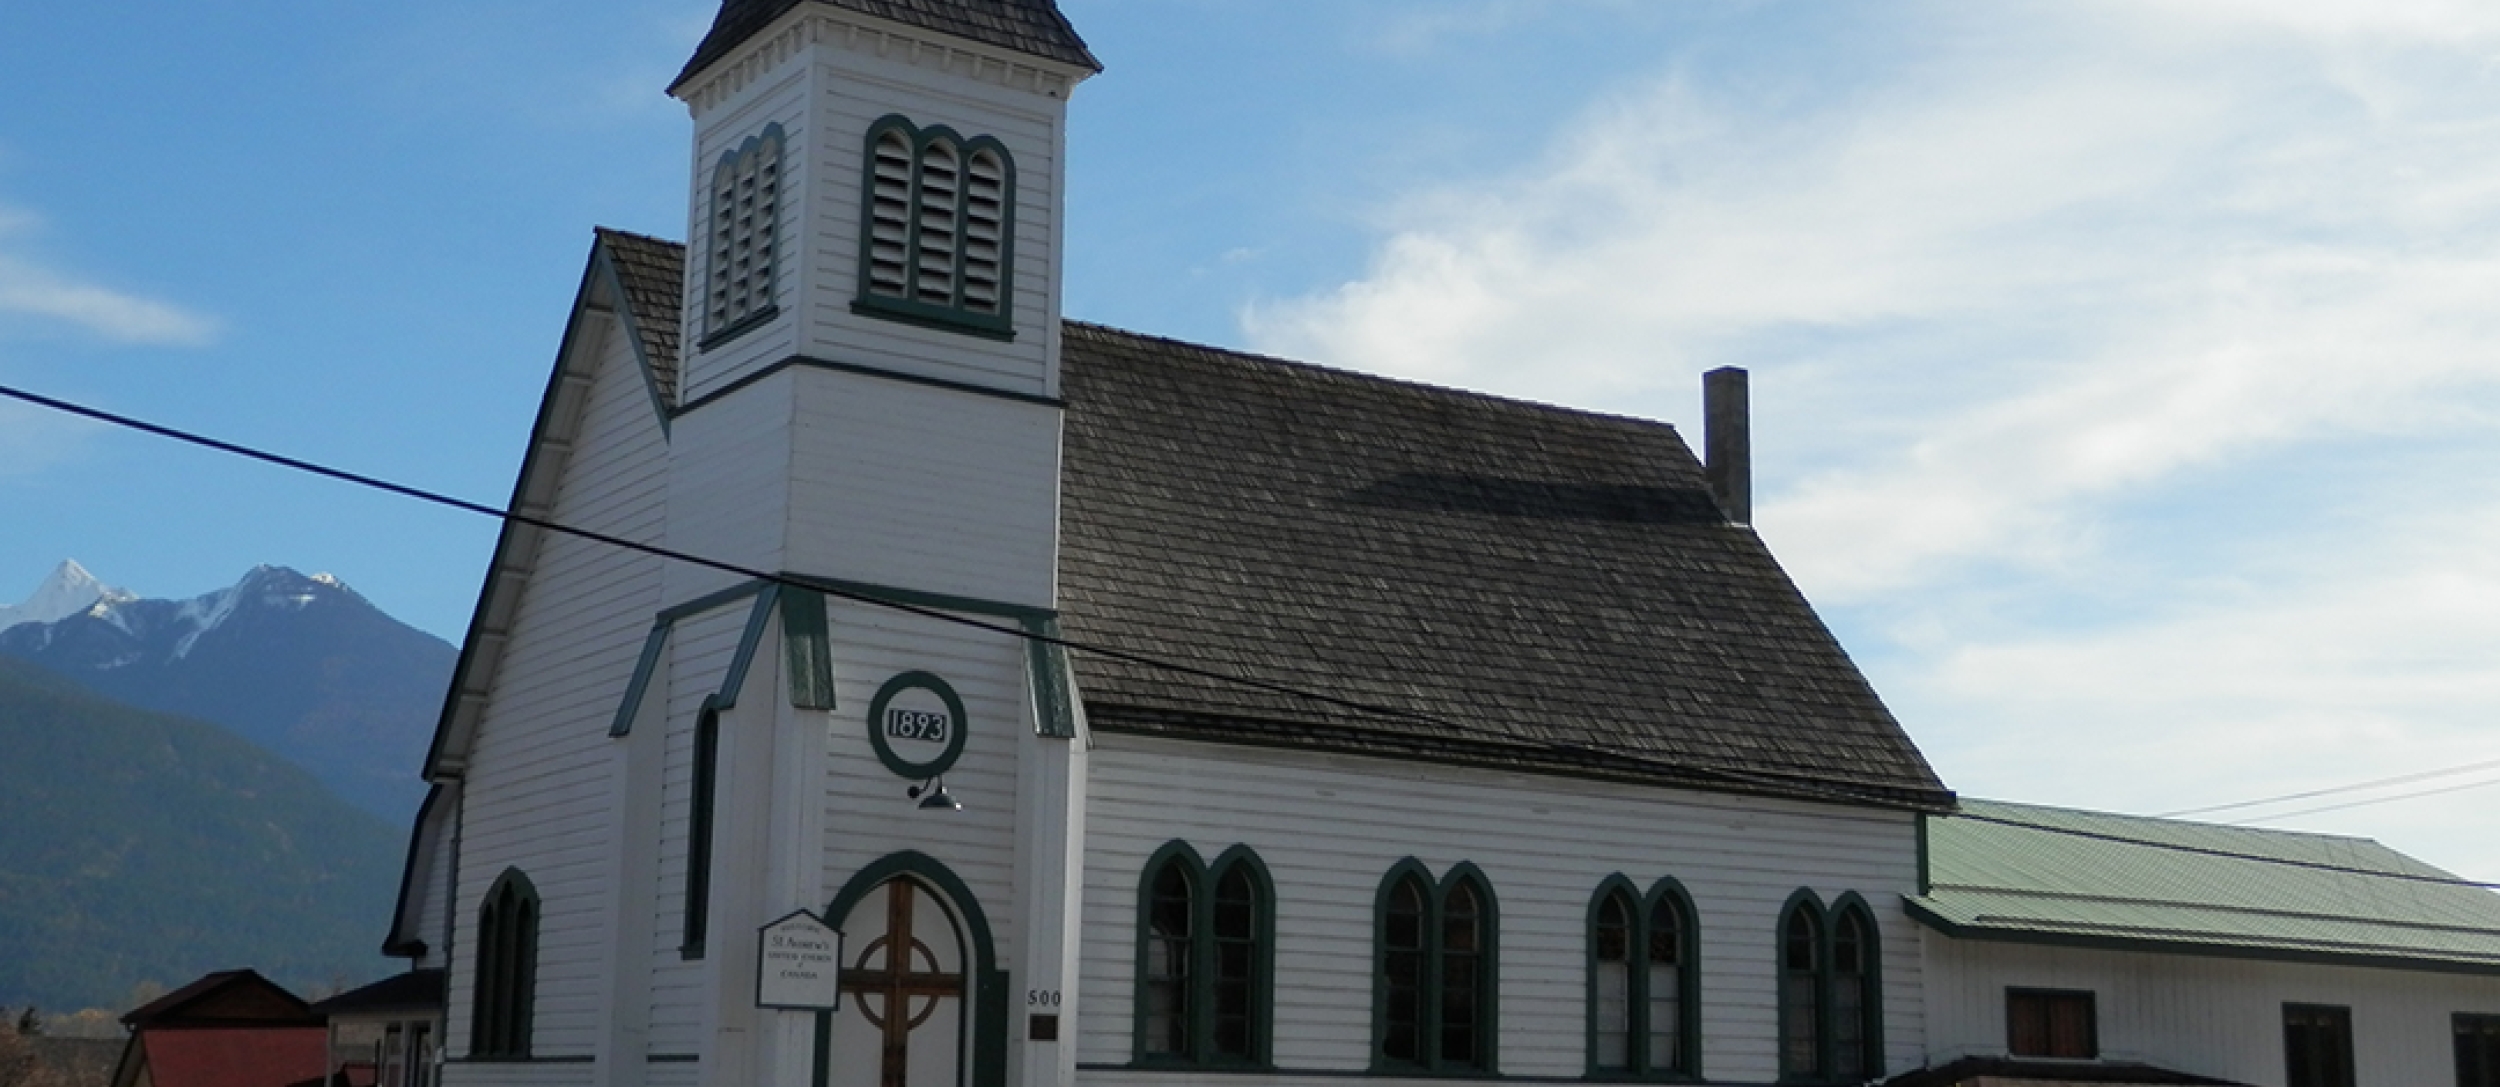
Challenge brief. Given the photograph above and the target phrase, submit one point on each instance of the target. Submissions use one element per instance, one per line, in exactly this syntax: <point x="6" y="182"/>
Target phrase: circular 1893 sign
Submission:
<point x="916" y="723"/>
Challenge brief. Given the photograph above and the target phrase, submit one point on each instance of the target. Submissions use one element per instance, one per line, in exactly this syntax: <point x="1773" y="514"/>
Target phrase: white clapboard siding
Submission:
<point x="537" y="793"/>
<point x="780" y="99"/>
<point x="900" y="484"/>
<point x="1329" y="829"/>
<point x="729" y="485"/>
<point x="2218" y="1017"/>
<point x="867" y="816"/>
<point x="700" y="648"/>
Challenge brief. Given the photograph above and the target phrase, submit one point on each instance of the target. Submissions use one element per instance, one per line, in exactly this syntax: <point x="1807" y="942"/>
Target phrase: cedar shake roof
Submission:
<point x="1527" y="587"/>
<point x="650" y="273"/>
<point x="1541" y="588"/>
<point x="1033" y="27"/>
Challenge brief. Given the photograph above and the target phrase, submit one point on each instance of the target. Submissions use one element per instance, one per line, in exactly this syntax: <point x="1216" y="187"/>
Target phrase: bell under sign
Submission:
<point x="799" y="965"/>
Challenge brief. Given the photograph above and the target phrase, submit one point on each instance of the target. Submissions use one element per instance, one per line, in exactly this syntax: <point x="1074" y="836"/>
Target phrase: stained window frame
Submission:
<point x="718" y="328"/>
<point x="1199" y="1003"/>
<point x="1433" y="987"/>
<point x="1827" y="922"/>
<point x="2338" y="1020"/>
<point x="908" y="308"/>
<point x="1639" y="1000"/>
<point x="2049" y="999"/>
<point x="503" y="1010"/>
<point x="2477" y="1031"/>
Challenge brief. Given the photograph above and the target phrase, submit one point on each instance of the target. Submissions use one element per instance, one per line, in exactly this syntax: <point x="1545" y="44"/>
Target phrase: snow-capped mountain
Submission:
<point x="300" y="665"/>
<point x="70" y="590"/>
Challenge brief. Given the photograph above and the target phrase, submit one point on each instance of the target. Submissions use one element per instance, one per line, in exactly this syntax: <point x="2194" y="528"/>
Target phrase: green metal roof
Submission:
<point x="2027" y="874"/>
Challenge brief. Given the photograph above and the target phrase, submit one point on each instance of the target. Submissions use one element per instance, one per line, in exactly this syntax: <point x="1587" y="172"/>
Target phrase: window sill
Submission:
<point x="940" y="318"/>
<point x="744" y="325"/>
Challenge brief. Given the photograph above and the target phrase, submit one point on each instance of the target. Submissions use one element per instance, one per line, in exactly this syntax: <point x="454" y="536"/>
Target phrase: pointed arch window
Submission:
<point x="1830" y="988"/>
<point x="938" y="222"/>
<point x="1206" y="946"/>
<point x="1434" y="977"/>
<point x="1644" y="990"/>
<point x="742" y="253"/>
<point x="507" y="968"/>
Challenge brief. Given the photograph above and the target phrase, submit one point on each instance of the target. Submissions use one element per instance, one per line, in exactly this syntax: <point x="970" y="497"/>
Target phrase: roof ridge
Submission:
<point x="2220" y="907"/>
<point x="618" y="232"/>
<point x="1414" y="385"/>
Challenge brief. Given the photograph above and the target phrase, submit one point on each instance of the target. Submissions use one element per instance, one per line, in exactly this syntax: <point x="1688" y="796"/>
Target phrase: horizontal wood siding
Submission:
<point x="2212" y="1016"/>
<point x="780" y="98"/>
<point x="729" y="486"/>
<point x="700" y="651"/>
<point x="867" y="815"/>
<point x="857" y="90"/>
<point x="932" y="489"/>
<point x="1329" y="828"/>
<point x="538" y="795"/>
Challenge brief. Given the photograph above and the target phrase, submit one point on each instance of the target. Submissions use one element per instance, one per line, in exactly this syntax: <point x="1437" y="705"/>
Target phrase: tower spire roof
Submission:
<point x="1027" y="26"/>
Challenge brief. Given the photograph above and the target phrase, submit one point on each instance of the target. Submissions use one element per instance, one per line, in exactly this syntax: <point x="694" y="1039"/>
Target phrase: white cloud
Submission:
<point x="2014" y="309"/>
<point x="29" y="288"/>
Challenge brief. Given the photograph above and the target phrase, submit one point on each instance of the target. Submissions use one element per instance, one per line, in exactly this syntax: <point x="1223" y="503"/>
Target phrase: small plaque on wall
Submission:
<point x="799" y="965"/>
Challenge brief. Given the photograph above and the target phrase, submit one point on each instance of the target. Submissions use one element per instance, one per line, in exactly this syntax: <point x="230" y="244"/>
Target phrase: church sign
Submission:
<point x="799" y="965"/>
<point x="917" y="725"/>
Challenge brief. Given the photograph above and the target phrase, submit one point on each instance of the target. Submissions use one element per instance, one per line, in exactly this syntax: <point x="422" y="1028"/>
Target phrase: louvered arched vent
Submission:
<point x="742" y="250"/>
<point x="936" y="244"/>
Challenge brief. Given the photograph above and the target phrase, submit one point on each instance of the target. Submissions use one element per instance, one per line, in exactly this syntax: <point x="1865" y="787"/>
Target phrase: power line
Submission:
<point x="1756" y="779"/>
<point x="2383" y="800"/>
<point x="2400" y="779"/>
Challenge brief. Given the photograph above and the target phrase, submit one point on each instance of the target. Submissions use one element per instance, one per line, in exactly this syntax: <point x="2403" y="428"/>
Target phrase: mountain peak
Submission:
<point x="69" y="589"/>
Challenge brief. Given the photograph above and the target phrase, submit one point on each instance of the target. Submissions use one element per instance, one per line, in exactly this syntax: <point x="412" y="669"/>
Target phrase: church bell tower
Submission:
<point x="869" y="403"/>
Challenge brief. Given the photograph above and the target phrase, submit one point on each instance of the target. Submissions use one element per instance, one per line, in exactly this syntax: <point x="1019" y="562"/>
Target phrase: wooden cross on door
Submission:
<point x="887" y="989"/>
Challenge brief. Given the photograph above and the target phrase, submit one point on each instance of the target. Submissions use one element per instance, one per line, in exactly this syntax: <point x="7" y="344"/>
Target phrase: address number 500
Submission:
<point x="1041" y="998"/>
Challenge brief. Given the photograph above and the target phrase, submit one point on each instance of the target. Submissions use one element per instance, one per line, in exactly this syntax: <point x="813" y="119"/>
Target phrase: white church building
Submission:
<point x="1136" y="712"/>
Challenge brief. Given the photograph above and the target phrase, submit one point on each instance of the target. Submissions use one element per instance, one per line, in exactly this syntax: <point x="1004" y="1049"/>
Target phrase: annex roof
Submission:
<point x="2030" y="874"/>
<point x="1033" y="27"/>
<point x="225" y="998"/>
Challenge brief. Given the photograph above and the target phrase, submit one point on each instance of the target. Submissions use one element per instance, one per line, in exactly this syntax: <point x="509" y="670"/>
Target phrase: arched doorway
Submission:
<point x="962" y="1042"/>
<point x="903" y="992"/>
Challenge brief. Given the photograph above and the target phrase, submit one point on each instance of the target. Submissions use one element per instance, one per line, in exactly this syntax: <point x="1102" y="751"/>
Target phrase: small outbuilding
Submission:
<point x="233" y="1028"/>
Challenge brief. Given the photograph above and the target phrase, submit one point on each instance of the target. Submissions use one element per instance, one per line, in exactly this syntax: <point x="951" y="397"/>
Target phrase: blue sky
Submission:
<point x="2127" y="374"/>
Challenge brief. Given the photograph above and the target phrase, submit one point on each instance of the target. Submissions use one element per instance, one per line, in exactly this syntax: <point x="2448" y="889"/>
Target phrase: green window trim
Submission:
<point x="699" y="821"/>
<point x="1203" y="936"/>
<point x="501" y="1015"/>
<point x="1846" y="1048"/>
<point x="1641" y="912"/>
<point x="928" y="197"/>
<point x="1430" y="972"/>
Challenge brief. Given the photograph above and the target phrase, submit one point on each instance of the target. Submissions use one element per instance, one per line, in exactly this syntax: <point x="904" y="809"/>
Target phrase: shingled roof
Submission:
<point x="650" y="273"/>
<point x="1531" y="587"/>
<point x="1033" y="27"/>
<point x="1521" y="586"/>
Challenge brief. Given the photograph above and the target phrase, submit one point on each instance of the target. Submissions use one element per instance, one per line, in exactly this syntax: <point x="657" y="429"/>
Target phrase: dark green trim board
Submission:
<point x="807" y="362"/>
<point x="758" y="618"/>
<point x="714" y="599"/>
<point x="1054" y="687"/>
<point x="699" y="822"/>
<point x="1642" y="909"/>
<point x="633" y="338"/>
<point x="807" y="646"/>
<point x="909" y="307"/>
<point x="922" y="598"/>
<point x="1926" y="859"/>
<point x="988" y="1000"/>
<point x="740" y="327"/>
<point x="504" y="1003"/>
<point x="1434" y="987"/>
<point x="2188" y="944"/>
<point x="652" y="645"/>
<point x="1200" y="1051"/>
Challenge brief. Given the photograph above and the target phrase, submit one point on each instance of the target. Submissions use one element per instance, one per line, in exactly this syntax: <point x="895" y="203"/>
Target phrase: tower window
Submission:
<point x="937" y="237"/>
<point x="742" y="250"/>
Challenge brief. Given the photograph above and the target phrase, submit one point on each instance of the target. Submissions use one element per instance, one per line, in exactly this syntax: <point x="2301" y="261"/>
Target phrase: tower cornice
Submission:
<point x="822" y="24"/>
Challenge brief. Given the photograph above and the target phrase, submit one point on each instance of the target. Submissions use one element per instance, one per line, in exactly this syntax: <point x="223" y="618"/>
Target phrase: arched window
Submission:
<point x="699" y="819"/>
<point x="1435" y="979"/>
<point x="1644" y="993"/>
<point x="507" y="968"/>
<point x="1831" y="1014"/>
<point x="743" y="250"/>
<point x="937" y="237"/>
<point x="1205" y="959"/>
